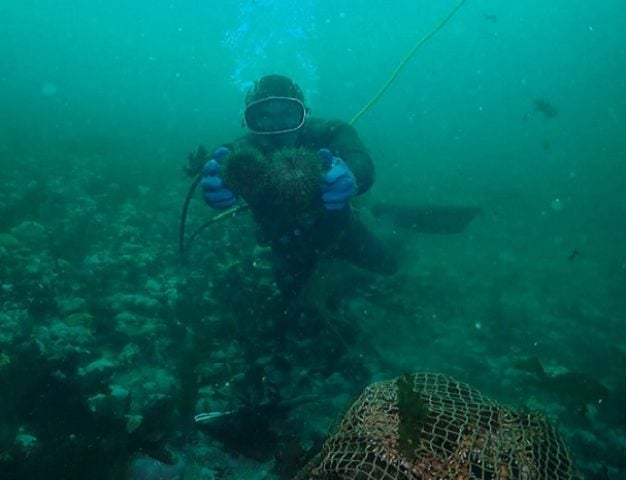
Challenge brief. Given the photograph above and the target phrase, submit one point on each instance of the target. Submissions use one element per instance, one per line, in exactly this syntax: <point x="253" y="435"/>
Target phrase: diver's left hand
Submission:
<point x="338" y="183"/>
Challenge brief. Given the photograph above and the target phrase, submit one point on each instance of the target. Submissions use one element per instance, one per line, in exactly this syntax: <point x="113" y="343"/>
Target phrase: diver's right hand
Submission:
<point x="213" y="190"/>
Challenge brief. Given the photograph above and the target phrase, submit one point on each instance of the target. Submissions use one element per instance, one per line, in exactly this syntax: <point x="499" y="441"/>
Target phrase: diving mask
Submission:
<point x="273" y="115"/>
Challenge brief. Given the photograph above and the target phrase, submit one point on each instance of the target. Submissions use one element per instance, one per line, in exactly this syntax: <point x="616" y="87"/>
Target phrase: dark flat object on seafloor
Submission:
<point x="438" y="219"/>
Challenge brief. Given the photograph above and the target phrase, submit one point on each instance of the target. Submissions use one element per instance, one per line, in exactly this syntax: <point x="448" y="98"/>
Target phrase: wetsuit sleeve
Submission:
<point x="345" y="143"/>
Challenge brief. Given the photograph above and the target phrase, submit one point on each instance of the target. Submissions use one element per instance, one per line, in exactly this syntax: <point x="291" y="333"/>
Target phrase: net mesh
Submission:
<point x="429" y="426"/>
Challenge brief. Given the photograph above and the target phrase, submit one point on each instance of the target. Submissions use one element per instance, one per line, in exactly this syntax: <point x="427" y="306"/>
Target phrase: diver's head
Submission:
<point x="275" y="107"/>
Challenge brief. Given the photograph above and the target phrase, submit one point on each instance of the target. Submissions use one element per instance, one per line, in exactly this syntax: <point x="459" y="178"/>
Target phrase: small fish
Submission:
<point x="546" y="108"/>
<point x="490" y="17"/>
<point x="577" y="388"/>
<point x="574" y="389"/>
<point x="207" y="417"/>
<point x="573" y="254"/>
<point x="531" y="365"/>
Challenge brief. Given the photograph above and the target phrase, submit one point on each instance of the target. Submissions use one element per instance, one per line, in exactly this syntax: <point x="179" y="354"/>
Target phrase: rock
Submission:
<point x="30" y="233"/>
<point x="134" y="302"/>
<point x="70" y="305"/>
<point x="144" y="467"/>
<point x="8" y="241"/>
<point x="26" y="441"/>
<point x="80" y="318"/>
<point x="133" y="422"/>
<point x="101" y="365"/>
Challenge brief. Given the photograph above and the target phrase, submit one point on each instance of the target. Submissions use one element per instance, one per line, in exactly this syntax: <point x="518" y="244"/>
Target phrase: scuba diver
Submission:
<point x="277" y="118"/>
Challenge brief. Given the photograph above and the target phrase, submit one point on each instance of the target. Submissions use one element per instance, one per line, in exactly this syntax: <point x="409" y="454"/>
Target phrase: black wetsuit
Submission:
<point x="339" y="234"/>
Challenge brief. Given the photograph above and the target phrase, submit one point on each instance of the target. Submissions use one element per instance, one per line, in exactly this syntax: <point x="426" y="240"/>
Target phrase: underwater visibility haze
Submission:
<point x="499" y="153"/>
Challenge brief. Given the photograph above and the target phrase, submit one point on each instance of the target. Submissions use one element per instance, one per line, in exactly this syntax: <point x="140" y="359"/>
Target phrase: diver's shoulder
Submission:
<point x="324" y="122"/>
<point x="324" y="125"/>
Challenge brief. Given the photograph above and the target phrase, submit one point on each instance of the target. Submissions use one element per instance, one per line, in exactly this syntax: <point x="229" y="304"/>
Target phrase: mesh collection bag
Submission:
<point x="428" y="426"/>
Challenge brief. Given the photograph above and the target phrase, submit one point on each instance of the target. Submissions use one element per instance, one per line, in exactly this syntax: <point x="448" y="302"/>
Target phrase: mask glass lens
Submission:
<point x="275" y="115"/>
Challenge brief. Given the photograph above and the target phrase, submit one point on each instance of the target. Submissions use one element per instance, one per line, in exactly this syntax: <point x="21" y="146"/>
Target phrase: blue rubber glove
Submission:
<point x="338" y="183"/>
<point x="213" y="190"/>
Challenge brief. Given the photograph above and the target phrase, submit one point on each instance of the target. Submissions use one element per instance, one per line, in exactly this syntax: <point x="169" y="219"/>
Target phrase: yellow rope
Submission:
<point x="403" y="63"/>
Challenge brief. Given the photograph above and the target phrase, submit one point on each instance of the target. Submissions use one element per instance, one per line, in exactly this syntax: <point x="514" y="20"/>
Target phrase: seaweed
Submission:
<point x="413" y="413"/>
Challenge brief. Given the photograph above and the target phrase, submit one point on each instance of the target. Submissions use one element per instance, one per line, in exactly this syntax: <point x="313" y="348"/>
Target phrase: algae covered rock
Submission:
<point x="11" y="323"/>
<point x="134" y="302"/>
<point x="59" y="340"/>
<point x="8" y="241"/>
<point x="5" y="360"/>
<point x="80" y="318"/>
<point x="30" y="233"/>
